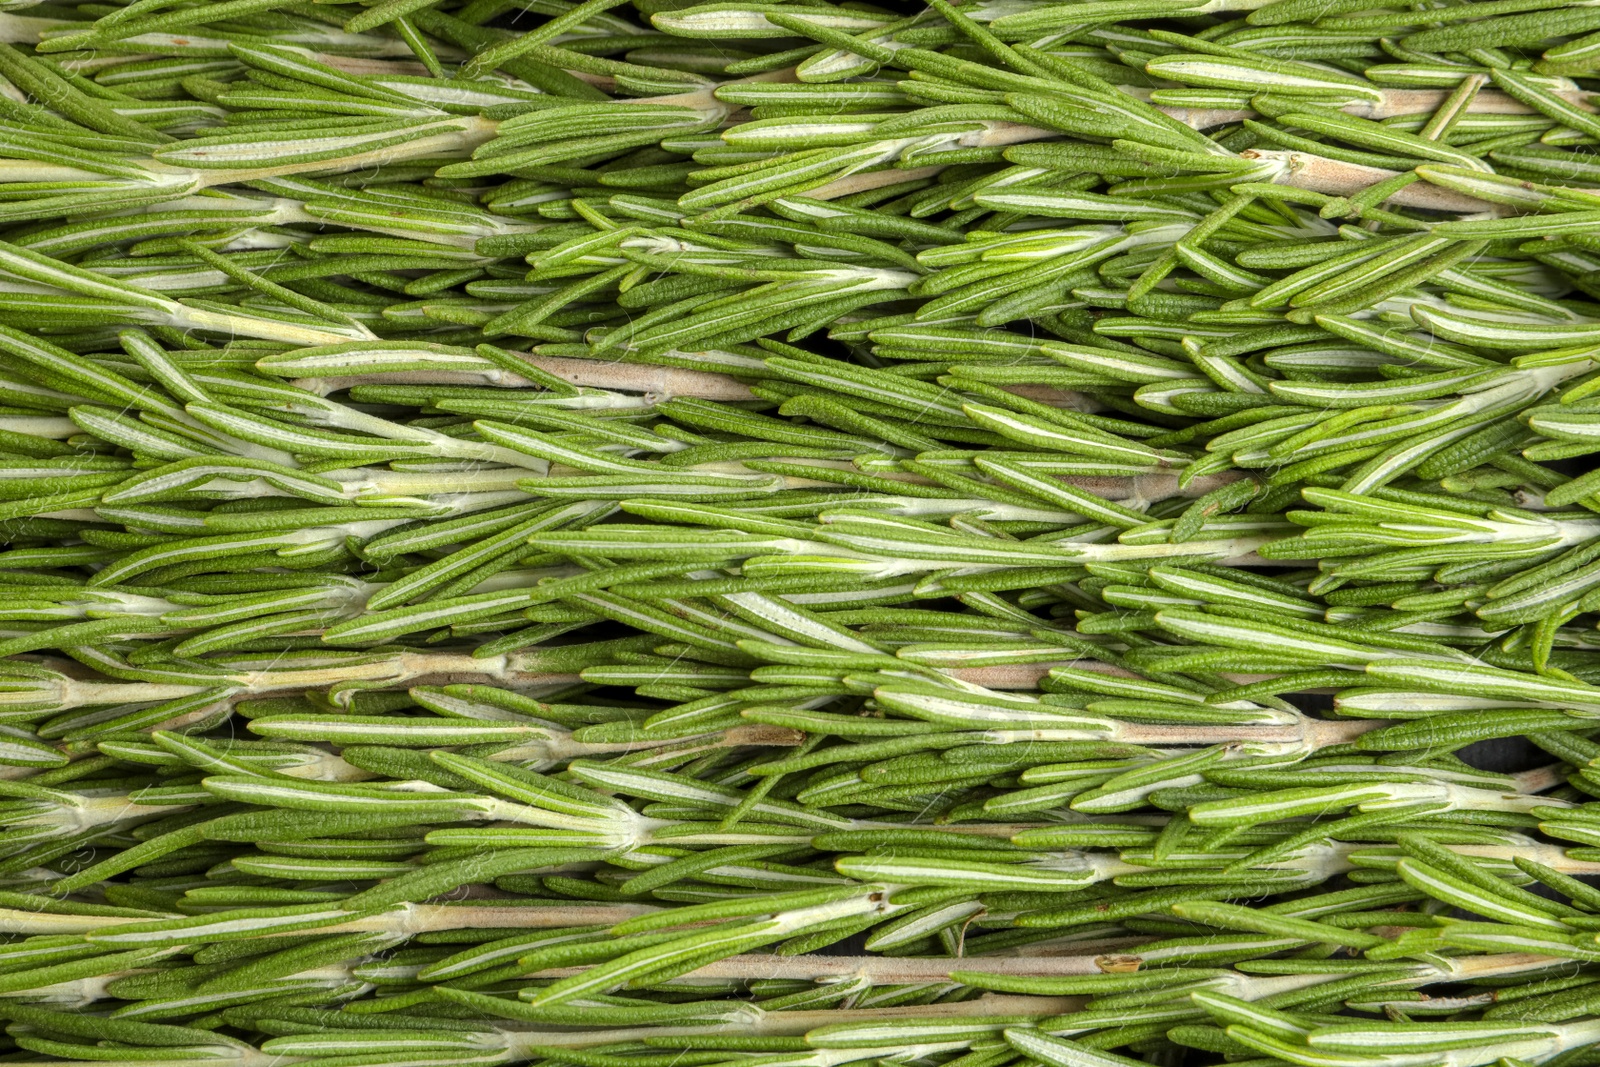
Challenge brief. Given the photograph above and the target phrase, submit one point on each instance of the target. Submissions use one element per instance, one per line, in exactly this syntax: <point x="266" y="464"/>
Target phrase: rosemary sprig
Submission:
<point x="815" y="534"/>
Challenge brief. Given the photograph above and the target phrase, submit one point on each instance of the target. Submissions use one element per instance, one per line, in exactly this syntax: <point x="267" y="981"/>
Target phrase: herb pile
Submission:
<point x="795" y="534"/>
